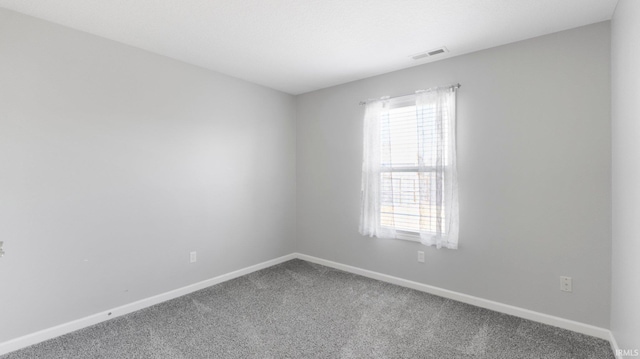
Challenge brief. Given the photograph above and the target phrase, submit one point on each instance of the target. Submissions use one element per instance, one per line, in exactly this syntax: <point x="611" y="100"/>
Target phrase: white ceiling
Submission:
<point x="298" y="46"/>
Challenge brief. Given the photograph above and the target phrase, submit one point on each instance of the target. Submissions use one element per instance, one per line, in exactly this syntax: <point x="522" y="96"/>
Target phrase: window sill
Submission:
<point x="408" y="236"/>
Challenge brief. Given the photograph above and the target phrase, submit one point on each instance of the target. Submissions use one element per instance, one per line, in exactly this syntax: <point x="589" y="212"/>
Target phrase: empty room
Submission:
<point x="320" y="179"/>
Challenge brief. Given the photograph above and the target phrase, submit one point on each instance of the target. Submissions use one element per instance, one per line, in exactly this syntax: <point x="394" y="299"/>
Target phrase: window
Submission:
<point x="403" y="205"/>
<point x="409" y="173"/>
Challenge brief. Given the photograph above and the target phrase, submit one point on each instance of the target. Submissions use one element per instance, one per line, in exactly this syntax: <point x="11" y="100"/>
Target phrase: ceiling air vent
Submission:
<point x="429" y="53"/>
<point x="435" y="52"/>
<point x="420" y="56"/>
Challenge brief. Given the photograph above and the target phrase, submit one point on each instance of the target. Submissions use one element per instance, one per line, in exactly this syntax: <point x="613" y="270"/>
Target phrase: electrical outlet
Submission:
<point x="1" y="250"/>
<point x="566" y="284"/>
<point x="193" y="258"/>
<point x="421" y="256"/>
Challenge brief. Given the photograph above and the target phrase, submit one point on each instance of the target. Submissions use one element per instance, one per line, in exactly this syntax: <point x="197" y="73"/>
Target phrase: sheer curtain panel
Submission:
<point x="409" y="175"/>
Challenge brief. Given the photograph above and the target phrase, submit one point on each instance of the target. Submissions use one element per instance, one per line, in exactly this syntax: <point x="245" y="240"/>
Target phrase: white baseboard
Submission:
<point x="614" y="345"/>
<point x="587" y="329"/>
<point x="49" y="333"/>
<point x="40" y="336"/>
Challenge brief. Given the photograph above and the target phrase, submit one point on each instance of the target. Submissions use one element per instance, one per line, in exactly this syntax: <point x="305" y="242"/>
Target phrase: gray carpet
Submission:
<point x="302" y="310"/>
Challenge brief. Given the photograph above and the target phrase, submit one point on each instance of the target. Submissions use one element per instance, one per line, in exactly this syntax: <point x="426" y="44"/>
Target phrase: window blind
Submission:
<point x="410" y="147"/>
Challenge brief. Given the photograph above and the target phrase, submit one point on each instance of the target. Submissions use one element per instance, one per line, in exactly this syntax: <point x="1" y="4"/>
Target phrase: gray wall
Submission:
<point x="115" y="163"/>
<point x="534" y="163"/>
<point x="625" y="78"/>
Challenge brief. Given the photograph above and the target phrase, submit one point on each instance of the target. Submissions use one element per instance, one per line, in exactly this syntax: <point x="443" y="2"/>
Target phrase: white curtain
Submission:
<point x="409" y="173"/>
<point x="370" y="223"/>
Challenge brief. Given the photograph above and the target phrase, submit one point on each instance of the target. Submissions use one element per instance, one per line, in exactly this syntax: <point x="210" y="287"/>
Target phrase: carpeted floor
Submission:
<point x="302" y="310"/>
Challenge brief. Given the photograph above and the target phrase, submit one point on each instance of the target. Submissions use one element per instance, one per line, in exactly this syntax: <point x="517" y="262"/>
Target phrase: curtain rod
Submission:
<point x="454" y="86"/>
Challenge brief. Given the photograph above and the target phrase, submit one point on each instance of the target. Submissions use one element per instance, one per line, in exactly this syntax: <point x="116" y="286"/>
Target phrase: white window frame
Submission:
<point x="404" y="233"/>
